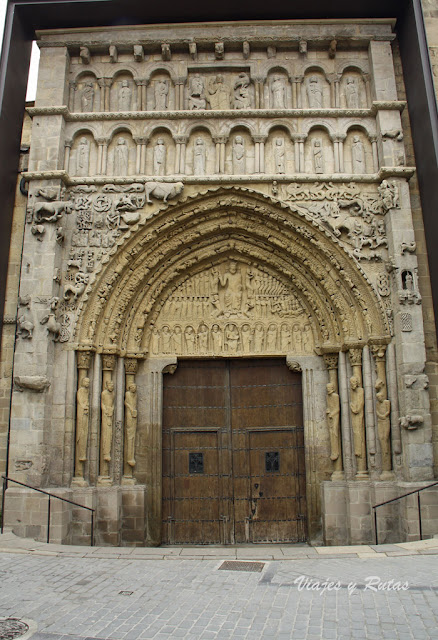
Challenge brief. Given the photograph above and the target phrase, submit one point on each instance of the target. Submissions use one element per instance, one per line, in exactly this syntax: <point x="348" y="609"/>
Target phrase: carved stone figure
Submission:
<point x="357" y="403"/>
<point x="25" y="327"/>
<point x="130" y="424"/>
<point x="271" y="338"/>
<point x="333" y="413"/>
<point x="166" y="339"/>
<point x="352" y="93"/>
<point x="383" y="411"/>
<point x="197" y="98"/>
<point x="161" y="92"/>
<point x="160" y="158"/>
<point x="51" y="211"/>
<point x="163" y="191"/>
<point x="314" y="93"/>
<point x="230" y="287"/>
<point x="218" y="93"/>
<point x="107" y="407"/>
<point x="231" y="338"/>
<point x="76" y="289"/>
<point x="82" y="157"/>
<point x="278" y="91"/>
<point x="87" y="97"/>
<point x="177" y="339"/>
<point x="189" y="335"/>
<point x="31" y="383"/>
<point x="82" y="422"/>
<point x="279" y="155"/>
<point x="246" y="338"/>
<point x="199" y="157"/>
<point x="389" y="194"/>
<point x="216" y="336"/>
<point x="358" y="156"/>
<point x="121" y="158"/>
<point x="285" y="337"/>
<point x="239" y="156"/>
<point x="259" y="334"/>
<point x="242" y="92"/>
<point x="203" y="338"/>
<point x="125" y="96"/>
<point x="318" y="156"/>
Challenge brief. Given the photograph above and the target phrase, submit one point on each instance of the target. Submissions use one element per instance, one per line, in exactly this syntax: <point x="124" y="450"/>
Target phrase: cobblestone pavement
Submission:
<point x="71" y="597"/>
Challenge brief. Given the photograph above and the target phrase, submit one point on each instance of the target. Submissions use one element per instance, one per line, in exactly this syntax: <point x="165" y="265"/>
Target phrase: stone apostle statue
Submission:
<point x="130" y="424"/>
<point x="161" y="92"/>
<point x="239" y="160"/>
<point x="107" y="407"/>
<point x="278" y="90"/>
<point x="159" y="158"/>
<point x="83" y="157"/>
<point x="87" y="97"/>
<point x="358" y="155"/>
<point x="333" y="412"/>
<point x="357" y="404"/>
<point x="125" y="96"/>
<point x="121" y="158"/>
<point x="314" y="93"/>
<point x="383" y="411"/>
<point x="199" y="157"/>
<point x="82" y="422"/>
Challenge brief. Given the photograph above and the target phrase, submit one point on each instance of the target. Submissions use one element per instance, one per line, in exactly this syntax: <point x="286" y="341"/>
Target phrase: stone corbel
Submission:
<point x="332" y="49"/>
<point x="302" y="47"/>
<point x="67" y="150"/>
<point x="193" y="50"/>
<point x="166" y="53"/>
<point x="138" y="53"/>
<point x="85" y="55"/>
<point x="219" y="50"/>
<point x="246" y="50"/>
<point x="293" y="365"/>
<point x="113" y="53"/>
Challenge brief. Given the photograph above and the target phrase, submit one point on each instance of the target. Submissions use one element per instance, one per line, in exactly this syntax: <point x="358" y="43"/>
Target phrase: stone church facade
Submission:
<point x="222" y="333"/>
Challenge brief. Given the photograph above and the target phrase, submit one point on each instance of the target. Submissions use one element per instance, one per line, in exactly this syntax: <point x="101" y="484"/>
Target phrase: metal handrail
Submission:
<point x="417" y="491"/>
<point x="50" y="495"/>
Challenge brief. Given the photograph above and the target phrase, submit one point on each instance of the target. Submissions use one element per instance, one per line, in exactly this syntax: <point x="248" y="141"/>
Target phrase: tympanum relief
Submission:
<point x="233" y="308"/>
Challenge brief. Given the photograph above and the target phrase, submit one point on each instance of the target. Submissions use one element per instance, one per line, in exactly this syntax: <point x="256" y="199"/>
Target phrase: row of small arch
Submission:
<point x="220" y="132"/>
<point x="264" y="71"/>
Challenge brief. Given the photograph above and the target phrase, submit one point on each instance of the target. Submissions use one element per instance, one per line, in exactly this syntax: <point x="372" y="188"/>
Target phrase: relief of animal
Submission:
<point x="51" y="211"/>
<point x="162" y="190"/>
<point x="53" y="326"/>
<point x="76" y="289"/>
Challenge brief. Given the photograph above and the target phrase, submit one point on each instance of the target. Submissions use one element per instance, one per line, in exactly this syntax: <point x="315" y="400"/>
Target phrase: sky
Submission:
<point x="31" y="87"/>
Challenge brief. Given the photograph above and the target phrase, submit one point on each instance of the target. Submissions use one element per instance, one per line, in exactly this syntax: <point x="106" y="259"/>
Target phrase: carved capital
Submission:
<point x="141" y="83"/>
<point x="378" y="351"/>
<point x="181" y="139"/>
<point x="73" y="85"/>
<point x="141" y="140"/>
<point x="293" y="365"/>
<point x="101" y="141"/>
<point x="84" y="359"/>
<point x="355" y="356"/>
<point x="299" y="137"/>
<point x="259" y="138"/>
<point x="331" y="360"/>
<point x="68" y="143"/>
<point x="108" y="361"/>
<point x="104" y="82"/>
<point x="170" y="368"/>
<point x="220" y="139"/>
<point x="131" y="365"/>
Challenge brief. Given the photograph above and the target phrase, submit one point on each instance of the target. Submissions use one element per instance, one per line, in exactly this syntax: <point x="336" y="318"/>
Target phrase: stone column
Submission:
<point x="357" y="408"/>
<point x="259" y="142"/>
<point x="107" y="403"/>
<point x="130" y="431"/>
<point x="301" y="141"/>
<point x="370" y="426"/>
<point x="336" y="153"/>
<point x="179" y="91"/>
<point x="297" y="92"/>
<point x="180" y="161"/>
<point x="383" y="412"/>
<point x="367" y="79"/>
<point x="391" y="367"/>
<point x="105" y="157"/>
<point x="100" y="142"/>
<point x="67" y="150"/>
<point x="373" y="140"/>
<point x="71" y="95"/>
<point x="141" y="94"/>
<point x="101" y="83"/>
<point x="341" y="153"/>
<point x="220" y="153"/>
<point x="141" y="155"/>
<point x="333" y="416"/>
<point x="82" y="418"/>
<point x="345" y="412"/>
<point x="259" y="93"/>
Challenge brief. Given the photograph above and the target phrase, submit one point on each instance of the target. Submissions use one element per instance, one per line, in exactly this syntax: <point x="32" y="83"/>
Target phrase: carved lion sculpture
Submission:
<point x="51" y="211"/>
<point x="76" y="289"/>
<point x="162" y="190"/>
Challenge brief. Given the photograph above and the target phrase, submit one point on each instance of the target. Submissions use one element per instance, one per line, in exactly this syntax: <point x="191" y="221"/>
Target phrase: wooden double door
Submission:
<point x="233" y="453"/>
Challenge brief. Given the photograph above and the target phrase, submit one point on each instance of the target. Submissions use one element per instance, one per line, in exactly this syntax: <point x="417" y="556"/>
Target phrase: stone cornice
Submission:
<point x="366" y="178"/>
<point x="206" y="114"/>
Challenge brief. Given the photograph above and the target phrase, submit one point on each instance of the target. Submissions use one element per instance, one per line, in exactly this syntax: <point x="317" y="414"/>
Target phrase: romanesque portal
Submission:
<point x="231" y="216"/>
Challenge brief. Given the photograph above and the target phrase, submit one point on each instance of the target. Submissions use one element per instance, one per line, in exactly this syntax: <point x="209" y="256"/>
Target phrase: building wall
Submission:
<point x="129" y="266"/>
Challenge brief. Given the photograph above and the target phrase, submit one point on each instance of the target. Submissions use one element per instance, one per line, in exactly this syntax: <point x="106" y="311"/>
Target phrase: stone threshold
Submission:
<point x="10" y="543"/>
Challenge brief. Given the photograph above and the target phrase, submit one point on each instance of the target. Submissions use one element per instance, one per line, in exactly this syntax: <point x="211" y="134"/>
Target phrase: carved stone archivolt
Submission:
<point x="244" y="259"/>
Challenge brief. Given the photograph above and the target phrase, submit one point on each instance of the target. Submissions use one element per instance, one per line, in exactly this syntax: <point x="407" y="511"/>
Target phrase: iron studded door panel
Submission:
<point x="233" y="453"/>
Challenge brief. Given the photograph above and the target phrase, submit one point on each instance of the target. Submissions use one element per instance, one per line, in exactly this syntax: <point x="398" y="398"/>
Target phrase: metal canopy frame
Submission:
<point x="24" y="17"/>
